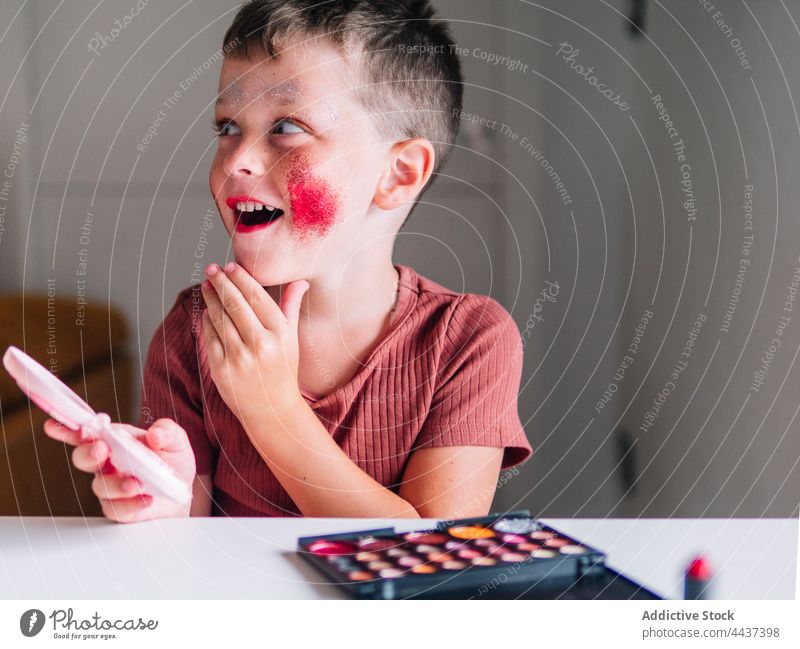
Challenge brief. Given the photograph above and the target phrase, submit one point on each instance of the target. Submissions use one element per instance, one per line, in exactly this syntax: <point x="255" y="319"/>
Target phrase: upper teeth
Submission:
<point x="249" y="206"/>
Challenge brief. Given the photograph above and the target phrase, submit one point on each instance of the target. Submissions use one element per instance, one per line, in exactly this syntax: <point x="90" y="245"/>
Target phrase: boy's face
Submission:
<point x="294" y="137"/>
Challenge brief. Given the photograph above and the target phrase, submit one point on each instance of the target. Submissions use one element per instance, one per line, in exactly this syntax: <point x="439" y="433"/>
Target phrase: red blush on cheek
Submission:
<point x="314" y="203"/>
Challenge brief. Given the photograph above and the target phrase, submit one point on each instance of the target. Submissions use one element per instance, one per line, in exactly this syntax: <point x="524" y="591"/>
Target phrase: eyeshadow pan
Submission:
<point x="331" y="547"/>
<point x="471" y="532"/>
<point x="513" y="538"/>
<point x="379" y="565"/>
<point x="516" y="525"/>
<point x="572" y="549"/>
<point x="391" y="572"/>
<point x="528" y="547"/>
<point x="360" y="575"/>
<point x="543" y="554"/>
<point x="425" y="549"/>
<point x="424" y="569"/>
<point x="556" y="543"/>
<point x="454" y="565"/>
<point x="484" y="561"/>
<point x="409" y="561"/>
<point x="485" y="543"/>
<point x="513" y="557"/>
<point x="396" y="552"/>
<point x="467" y="553"/>
<point x="455" y="545"/>
<point x="367" y="556"/>
<point x="440" y="557"/>
<point x="427" y="538"/>
<point x="542" y="535"/>
<point x="369" y="543"/>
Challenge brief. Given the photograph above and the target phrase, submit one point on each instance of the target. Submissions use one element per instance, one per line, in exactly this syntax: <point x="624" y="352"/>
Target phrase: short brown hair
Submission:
<point x="412" y="83"/>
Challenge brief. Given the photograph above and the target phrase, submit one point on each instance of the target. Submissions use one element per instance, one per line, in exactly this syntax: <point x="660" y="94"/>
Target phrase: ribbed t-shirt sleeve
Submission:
<point x="171" y="381"/>
<point x="477" y="387"/>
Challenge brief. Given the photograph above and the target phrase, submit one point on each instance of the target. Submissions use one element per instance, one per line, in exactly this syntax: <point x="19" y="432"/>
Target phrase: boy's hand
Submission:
<point x="252" y="344"/>
<point x="122" y="496"/>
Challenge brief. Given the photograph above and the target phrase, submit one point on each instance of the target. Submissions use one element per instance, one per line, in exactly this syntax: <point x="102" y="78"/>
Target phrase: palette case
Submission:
<point x="501" y="556"/>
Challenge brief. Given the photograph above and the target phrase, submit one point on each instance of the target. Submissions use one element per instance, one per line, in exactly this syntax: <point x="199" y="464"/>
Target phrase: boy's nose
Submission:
<point x="247" y="159"/>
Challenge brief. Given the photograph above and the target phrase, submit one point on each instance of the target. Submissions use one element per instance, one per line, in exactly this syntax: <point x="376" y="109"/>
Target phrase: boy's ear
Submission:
<point x="410" y="167"/>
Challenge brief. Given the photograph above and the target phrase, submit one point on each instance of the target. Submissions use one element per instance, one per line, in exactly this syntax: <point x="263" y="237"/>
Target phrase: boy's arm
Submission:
<point x="323" y="481"/>
<point x="452" y="481"/>
<point x="201" y="495"/>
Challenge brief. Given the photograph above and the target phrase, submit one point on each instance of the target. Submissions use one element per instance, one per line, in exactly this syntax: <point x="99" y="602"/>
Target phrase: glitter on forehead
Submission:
<point x="285" y="92"/>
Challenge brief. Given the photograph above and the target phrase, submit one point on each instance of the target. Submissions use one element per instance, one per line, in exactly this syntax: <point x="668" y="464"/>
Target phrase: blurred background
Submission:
<point x="625" y="184"/>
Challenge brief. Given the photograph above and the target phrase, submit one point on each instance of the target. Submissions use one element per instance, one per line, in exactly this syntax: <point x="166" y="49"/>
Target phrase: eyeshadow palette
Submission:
<point x="496" y="556"/>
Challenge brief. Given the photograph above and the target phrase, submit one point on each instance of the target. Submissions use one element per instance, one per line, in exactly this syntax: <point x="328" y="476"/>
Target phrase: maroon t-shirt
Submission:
<point x="447" y="373"/>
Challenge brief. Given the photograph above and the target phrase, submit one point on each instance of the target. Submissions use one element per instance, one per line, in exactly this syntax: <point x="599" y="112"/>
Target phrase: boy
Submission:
<point x="312" y="376"/>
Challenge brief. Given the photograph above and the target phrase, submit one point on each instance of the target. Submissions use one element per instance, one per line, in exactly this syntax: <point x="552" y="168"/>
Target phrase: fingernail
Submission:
<point x="212" y="270"/>
<point x="147" y="499"/>
<point x="230" y="267"/>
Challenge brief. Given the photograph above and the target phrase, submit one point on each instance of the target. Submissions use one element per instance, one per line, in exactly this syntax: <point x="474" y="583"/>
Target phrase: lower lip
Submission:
<point x="241" y="227"/>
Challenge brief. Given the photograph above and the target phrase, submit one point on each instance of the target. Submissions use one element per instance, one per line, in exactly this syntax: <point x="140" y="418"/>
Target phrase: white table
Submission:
<point x="252" y="558"/>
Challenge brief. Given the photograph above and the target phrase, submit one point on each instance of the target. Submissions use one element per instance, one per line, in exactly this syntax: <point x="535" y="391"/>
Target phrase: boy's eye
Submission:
<point x="226" y="128"/>
<point x="282" y="127"/>
<point x="285" y="127"/>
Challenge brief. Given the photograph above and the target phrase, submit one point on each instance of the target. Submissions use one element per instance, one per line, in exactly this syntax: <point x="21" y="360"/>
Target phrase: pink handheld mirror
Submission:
<point x="128" y="455"/>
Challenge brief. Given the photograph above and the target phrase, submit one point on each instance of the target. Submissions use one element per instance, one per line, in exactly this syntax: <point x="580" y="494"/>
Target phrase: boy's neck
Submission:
<point x="354" y="295"/>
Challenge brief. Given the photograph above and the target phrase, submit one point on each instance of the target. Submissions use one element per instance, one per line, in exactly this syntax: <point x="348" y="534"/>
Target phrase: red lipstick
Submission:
<point x="698" y="579"/>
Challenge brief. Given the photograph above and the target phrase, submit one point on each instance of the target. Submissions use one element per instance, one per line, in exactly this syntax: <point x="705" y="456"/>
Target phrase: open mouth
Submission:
<point x="252" y="214"/>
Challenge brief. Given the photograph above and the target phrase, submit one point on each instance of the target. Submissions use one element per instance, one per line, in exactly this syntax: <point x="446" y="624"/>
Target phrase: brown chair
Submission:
<point x="85" y="350"/>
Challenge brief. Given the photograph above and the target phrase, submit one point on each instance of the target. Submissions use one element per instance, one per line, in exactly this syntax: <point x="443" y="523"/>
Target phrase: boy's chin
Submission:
<point x="266" y="273"/>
